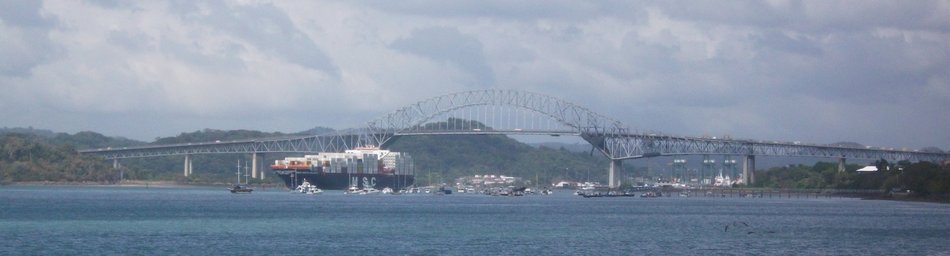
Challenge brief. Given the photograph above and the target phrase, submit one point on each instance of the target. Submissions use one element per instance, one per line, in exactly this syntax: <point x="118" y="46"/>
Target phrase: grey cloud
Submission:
<point x="809" y="70"/>
<point x="515" y="10"/>
<point x="742" y="13"/>
<point x="448" y="45"/>
<point x="25" y="44"/>
<point x="264" y="26"/>
<point x="771" y="40"/>
<point x="812" y="16"/>
<point x="22" y="54"/>
<point x="859" y="67"/>
<point x="861" y="15"/>
<point x="130" y="40"/>
<point x="646" y="57"/>
<point x="22" y="13"/>
<point x="224" y="60"/>
<point x="113" y="4"/>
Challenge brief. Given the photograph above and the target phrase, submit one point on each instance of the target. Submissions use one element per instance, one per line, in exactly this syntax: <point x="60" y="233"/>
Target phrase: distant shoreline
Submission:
<point x="906" y="199"/>
<point x="128" y="183"/>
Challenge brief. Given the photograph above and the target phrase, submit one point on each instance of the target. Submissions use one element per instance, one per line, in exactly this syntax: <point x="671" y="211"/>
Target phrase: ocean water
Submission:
<point x="205" y="221"/>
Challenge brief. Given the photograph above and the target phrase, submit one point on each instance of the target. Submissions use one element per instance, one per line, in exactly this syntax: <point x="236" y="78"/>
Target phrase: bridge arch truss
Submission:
<point x="615" y="140"/>
<point x="412" y="119"/>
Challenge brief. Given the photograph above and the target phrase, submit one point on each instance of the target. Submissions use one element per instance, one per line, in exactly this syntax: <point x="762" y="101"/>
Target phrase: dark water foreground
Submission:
<point x="109" y="220"/>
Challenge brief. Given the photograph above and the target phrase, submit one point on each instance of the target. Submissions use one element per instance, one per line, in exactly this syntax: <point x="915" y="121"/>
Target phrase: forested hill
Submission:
<point x="28" y="157"/>
<point x="208" y="135"/>
<point x="28" y="154"/>
<point x="437" y="158"/>
<point x="47" y="156"/>
<point x="445" y="157"/>
<point x="80" y="140"/>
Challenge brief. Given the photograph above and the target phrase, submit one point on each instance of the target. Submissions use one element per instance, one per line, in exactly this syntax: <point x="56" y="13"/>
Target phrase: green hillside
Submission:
<point x="437" y="158"/>
<point x="27" y="157"/>
<point x="41" y="155"/>
<point x="446" y="157"/>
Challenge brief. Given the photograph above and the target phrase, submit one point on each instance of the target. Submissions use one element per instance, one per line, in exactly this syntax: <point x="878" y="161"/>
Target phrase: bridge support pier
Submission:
<point x="616" y="165"/>
<point x="262" y="169"/>
<point x="187" y="165"/>
<point x="748" y="170"/>
<point x="115" y="166"/>
<point x="254" y="165"/>
<point x="841" y="164"/>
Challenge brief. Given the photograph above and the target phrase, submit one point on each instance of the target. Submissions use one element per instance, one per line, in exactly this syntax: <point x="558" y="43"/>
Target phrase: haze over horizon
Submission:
<point x="871" y="72"/>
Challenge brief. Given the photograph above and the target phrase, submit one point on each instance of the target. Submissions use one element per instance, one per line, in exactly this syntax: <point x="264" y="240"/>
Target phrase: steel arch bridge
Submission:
<point x="518" y="113"/>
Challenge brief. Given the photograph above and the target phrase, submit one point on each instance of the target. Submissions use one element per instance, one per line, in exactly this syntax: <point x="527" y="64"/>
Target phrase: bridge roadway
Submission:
<point x="615" y="141"/>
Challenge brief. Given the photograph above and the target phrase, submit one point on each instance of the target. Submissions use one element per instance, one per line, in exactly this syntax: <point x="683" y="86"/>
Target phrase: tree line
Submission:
<point x="436" y="158"/>
<point x="47" y="156"/>
<point x="26" y="157"/>
<point x="924" y="180"/>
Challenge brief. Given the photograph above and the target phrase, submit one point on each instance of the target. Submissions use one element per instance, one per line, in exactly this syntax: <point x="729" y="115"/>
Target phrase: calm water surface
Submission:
<point x="111" y="220"/>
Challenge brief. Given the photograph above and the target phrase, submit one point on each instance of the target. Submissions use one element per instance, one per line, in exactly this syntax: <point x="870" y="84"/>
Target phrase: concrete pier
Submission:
<point x="188" y="165"/>
<point x="262" y="169"/>
<point x="748" y="170"/>
<point x="254" y="165"/>
<point x="615" y="166"/>
<point x="841" y="164"/>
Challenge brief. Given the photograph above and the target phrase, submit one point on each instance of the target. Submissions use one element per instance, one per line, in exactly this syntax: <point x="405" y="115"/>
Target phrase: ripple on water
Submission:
<point x="107" y="220"/>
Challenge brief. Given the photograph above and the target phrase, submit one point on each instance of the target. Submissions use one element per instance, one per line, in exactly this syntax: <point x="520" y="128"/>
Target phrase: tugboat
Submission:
<point x="238" y="187"/>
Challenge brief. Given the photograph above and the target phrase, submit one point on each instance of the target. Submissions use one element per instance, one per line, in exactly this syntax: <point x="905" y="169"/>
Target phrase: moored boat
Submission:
<point x="238" y="188"/>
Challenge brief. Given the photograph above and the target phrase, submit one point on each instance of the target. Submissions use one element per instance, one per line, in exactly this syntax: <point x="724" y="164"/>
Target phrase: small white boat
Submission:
<point x="353" y="190"/>
<point x="314" y="190"/>
<point x="387" y="191"/>
<point x="307" y="188"/>
<point x="369" y="191"/>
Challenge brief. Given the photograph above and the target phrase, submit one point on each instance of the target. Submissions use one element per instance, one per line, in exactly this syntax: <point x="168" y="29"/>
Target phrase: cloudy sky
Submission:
<point x="873" y="72"/>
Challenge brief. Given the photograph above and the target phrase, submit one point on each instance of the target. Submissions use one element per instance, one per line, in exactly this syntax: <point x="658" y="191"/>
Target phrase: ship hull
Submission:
<point x="342" y="181"/>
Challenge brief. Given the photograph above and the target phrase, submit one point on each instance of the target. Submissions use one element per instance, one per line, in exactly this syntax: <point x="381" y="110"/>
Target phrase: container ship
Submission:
<point x="361" y="168"/>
